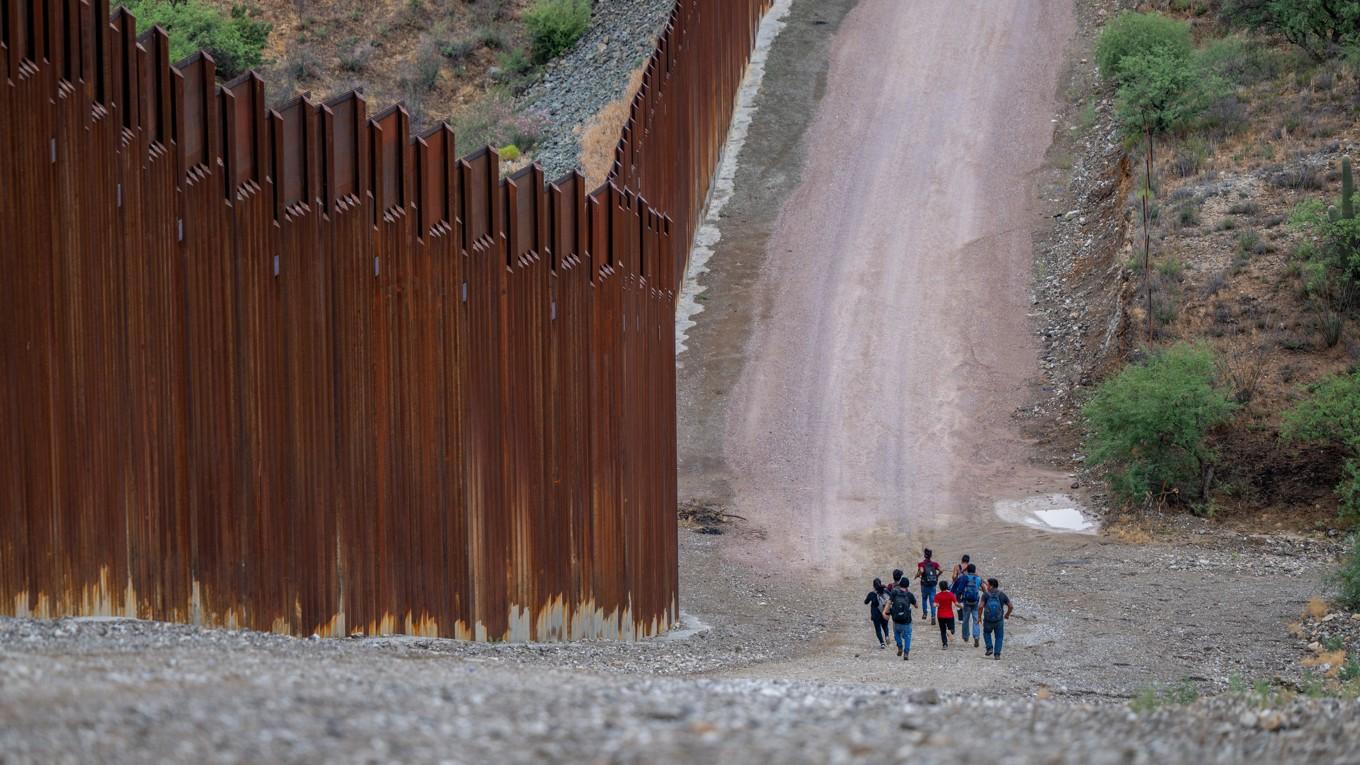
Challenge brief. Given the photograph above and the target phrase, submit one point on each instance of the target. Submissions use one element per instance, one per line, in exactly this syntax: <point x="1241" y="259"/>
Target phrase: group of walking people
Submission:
<point x="981" y="605"/>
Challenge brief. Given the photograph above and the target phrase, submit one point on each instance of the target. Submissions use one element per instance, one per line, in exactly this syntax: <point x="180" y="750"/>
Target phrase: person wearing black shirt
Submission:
<point x="877" y="601"/>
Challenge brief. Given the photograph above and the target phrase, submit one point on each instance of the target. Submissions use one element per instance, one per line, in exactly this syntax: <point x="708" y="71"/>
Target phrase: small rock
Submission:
<point x="1247" y="719"/>
<point x="1271" y="721"/>
<point x="929" y="697"/>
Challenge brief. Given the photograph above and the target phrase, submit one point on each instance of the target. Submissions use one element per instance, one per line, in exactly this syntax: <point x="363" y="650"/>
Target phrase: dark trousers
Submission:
<point x="882" y="631"/>
<point x="946" y="627"/>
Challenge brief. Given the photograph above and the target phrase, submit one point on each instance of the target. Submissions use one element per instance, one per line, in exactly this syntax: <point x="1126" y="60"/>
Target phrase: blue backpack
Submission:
<point x="972" y="588"/>
<point x="993" y="611"/>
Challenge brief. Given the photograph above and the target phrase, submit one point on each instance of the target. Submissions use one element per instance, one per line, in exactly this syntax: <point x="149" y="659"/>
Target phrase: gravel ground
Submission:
<point x="137" y="692"/>
<point x="764" y="670"/>
<point x="593" y="74"/>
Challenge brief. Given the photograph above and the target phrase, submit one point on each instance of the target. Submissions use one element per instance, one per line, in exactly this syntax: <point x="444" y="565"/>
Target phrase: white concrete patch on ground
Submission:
<point x="724" y="183"/>
<point x="690" y="625"/>
<point x="1050" y="512"/>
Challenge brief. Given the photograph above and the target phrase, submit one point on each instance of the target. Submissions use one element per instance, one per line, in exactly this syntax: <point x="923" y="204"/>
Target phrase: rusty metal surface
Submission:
<point x="299" y="370"/>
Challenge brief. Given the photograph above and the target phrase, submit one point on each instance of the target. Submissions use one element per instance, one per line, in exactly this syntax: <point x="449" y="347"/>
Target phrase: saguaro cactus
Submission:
<point x="1347" y="209"/>
<point x="1347" y="189"/>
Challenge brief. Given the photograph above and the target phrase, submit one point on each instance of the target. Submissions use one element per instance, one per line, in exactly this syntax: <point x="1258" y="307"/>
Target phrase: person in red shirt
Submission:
<point x="944" y="605"/>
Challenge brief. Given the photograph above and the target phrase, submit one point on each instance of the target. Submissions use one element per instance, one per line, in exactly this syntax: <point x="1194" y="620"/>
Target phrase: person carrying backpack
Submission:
<point x="899" y="610"/>
<point x="928" y="571"/>
<point x="945" y="603"/>
<point x="968" y="589"/>
<point x="959" y="569"/>
<point x="995" y="609"/>
<point x="877" y="600"/>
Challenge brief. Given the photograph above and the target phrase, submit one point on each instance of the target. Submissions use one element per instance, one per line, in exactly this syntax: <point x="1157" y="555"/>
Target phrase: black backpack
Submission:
<point x="901" y="607"/>
<point x="930" y="574"/>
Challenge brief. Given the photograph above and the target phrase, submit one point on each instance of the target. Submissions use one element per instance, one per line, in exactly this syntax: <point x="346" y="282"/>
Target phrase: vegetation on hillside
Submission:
<point x="1245" y="267"/>
<point x="1149" y="425"/>
<point x="1164" y="83"/>
<point x="1348" y="578"/>
<point x="235" y="38"/>
<point x="555" y="26"/>
<point x="446" y="60"/>
<point x="1323" y="28"/>
<point x="1331" y="415"/>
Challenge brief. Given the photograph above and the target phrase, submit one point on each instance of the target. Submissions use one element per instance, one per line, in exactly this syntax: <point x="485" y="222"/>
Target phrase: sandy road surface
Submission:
<point x="849" y="389"/>
<point x="892" y="342"/>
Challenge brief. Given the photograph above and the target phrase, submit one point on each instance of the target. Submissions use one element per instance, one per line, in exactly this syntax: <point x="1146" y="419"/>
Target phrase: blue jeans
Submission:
<point x="970" y="616"/>
<point x="902" y="636"/>
<point x="928" y="600"/>
<point x="994" y="628"/>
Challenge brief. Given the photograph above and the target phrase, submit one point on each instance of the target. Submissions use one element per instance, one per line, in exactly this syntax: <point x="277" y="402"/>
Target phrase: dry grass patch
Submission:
<point x="1130" y="530"/>
<point x="601" y="135"/>
<point x="1332" y="660"/>
<point x="1316" y="608"/>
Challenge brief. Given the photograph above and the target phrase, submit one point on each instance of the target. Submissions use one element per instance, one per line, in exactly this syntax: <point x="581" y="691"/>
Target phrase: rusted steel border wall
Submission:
<point x="294" y="369"/>
<point x="678" y="123"/>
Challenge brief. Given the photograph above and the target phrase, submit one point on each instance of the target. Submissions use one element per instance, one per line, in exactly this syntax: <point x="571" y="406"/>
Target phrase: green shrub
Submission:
<point x="235" y="41"/>
<point x="1331" y="414"/>
<point x="1163" y="93"/>
<point x="1241" y="60"/>
<point x="1348" y="576"/>
<point x="555" y="26"/>
<point x="1165" y="86"/>
<point x="492" y="38"/>
<point x="493" y="121"/>
<point x="1320" y="27"/>
<point x="1172" y="268"/>
<point x="1148" y="425"/>
<point x="1150" y="699"/>
<point x="1140" y="34"/>
<point x="514" y="62"/>
<point x="457" y="50"/>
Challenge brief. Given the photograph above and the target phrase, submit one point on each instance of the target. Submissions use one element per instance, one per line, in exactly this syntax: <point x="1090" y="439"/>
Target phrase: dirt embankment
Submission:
<point x="468" y="63"/>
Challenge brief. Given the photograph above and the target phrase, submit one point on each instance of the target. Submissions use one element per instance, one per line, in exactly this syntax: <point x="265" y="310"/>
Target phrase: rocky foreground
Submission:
<point x="100" y="691"/>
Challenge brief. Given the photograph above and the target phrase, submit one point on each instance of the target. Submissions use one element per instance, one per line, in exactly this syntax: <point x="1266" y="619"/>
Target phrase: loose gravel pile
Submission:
<point x="141" y="692"/>
<point x="573" y="88"/>
<point x="767" y="670"/>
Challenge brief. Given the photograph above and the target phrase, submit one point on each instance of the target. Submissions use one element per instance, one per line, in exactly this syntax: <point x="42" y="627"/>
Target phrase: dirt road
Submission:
<point x="850" y="387"/>
<point x="889" y="342"/>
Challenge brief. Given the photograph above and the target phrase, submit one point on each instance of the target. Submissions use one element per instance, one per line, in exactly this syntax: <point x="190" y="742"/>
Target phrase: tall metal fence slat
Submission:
<point x="295" y="369"/>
